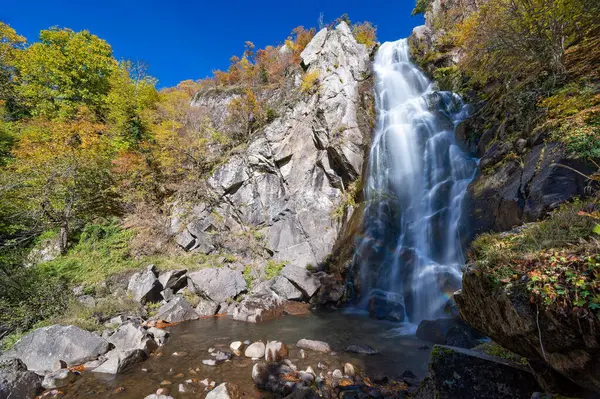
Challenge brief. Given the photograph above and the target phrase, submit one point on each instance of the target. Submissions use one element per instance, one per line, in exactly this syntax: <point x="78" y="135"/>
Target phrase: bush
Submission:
<point x="310" y="80"/>
<point x="273" y="268"/>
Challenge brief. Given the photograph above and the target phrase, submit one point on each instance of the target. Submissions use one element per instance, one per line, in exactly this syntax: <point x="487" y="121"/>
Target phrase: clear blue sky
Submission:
<point x="188" y="39"/>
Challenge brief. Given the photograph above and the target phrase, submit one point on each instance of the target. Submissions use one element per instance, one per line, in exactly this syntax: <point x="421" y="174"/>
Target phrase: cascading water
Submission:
<point x="416" y="181"/>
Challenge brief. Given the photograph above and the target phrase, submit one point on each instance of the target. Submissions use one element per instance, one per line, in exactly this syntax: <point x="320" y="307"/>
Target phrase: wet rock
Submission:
<point x="361" y="349"/>
<point x="296" y="308"/>
<point x="129" y="337"/>
<point x="173" y="279"/>
<point x="221" y="356"/>
<point x="260" y="374"/>
<point x="209" y="362"/>
<point x="157" y="396"/>
<point x="255" y="350"/>
<point x="206" y="308"/>
<point x="217" y="284"/>
<point x="317" y="346"/>
<point x="461" y="373"/>
<point x="58" y="379"/>
<point x="162" y="391"/>
<point x="452" y="332"/>
<point x="337" y="373"/>
<point x="276" y="351"/>
<point x="225" y="391"/>
<point x="16" y="381"/>
<point x="160" y="336"/>
<point x="145" y="287"/>
<point x="176" y="311"/>
<point x="285" y="289"/>
<point x="41" y="348"/>
<point x="331" y="292"/>
<point x="303" y="279"/>
<point x="386" y="305"/>
<point x="259" y="308"/>
<point x="119" y="361"/>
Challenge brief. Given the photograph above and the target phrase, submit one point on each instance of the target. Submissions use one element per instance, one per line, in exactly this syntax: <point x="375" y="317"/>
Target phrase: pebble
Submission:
<point x="166" y="382"/>
<point x="180" y="354"/>
<point x="120" y="390"/>
<point x="182" y="388"/>
<point x="162" y="391"/>
<point x="179" y="375"/>
<point x="302" y="354"/>
<point x="205" y="382"/>
<point x="321" y="366"/>
<point x="209" y="362"/>
<point x="337" y="373"/>
<point x="349" y="370"/>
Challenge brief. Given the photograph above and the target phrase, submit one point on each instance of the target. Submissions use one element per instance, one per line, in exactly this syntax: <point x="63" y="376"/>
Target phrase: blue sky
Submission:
<point x="188" y="39"/>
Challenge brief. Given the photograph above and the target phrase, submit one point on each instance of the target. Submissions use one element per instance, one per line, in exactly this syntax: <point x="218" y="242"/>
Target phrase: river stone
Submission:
<point x="145" y="287"/>
<point x="58" y="379"/>
<point x="225" y="391"/>
<point x="275" y="351"/>
<point x="361" y="349"/>
<point x="176" y="311"/>
<point x="302" y="278"/>
<point x="16" y="381"/>
<point x="217" y="284"/>
<point x="462" y="373"/>
<point x="259" y="308"/>
<point x="206" y="307"/>
<point x="256" y="349"/>
<point x="349" y="370"/>
<point x="285" y="289"/>
<point x="41" y="348"/>
<point x="158" y="396"/>
<point x="173" y="279"/>
<point x="317" y="346"/>
<point x="118" y="361"/>
<point x="260" y="374"/>
<point x="129" y="337"/>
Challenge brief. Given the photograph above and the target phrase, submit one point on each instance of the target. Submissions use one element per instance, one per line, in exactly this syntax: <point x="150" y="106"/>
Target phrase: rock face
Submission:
<point x="569" y="344"/>
<point x="461" y="373"/>
<point x="514" y="193"/>
<point x="177" y="310"/>
<point x="293" y="174"/>
<point x="41" y="348"/>
<point x="16" y="382"/>
<point x="284" y="288"/>
<point x="217" y="284"/>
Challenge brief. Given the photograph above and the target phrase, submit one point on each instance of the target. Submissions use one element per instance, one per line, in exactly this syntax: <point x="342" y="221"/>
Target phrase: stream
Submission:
<point x="192" y="340"/>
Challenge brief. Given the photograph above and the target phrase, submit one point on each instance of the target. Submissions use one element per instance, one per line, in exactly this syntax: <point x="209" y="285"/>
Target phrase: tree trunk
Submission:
<point x="63" y="238"/>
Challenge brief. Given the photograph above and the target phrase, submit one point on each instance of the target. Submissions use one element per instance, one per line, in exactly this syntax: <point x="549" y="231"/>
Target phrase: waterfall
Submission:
<point x="417" y="177"/>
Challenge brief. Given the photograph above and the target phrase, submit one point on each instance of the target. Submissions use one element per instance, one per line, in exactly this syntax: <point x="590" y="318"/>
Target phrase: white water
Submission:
<point x="416" y="181"/>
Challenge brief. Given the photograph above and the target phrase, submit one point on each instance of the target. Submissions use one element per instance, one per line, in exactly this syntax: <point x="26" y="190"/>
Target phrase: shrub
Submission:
<point x="310" y="80"/>
<point x="365" y="33"/>
<point x="274" y="268"/>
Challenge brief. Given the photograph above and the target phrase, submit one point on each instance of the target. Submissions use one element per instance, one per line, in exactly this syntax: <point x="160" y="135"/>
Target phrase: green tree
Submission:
<point x="132" y="95"/>
<point x="63" y="71"/>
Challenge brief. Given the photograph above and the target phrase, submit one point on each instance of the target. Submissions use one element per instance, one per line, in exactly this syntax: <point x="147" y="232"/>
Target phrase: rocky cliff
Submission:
<point x="279" y="195"/>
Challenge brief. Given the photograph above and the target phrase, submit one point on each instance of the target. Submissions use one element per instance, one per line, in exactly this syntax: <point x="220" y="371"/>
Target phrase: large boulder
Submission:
<point x="331" y="292"/>
<point x="306" y="281"/>
<point x="462" y="373"/>
<point x="118" y="361"/>
<point x="16" y="381"/>
<point x="386" y="305"/>
<point x="177" y="310"/>
<point x="285" y="289"/>
<point x="568" y="342"/>
<point x="206" y="308"/>
<point x="173" y="279"/>
<point x="217" y="284"/>
<point x="41" y="348"/>
<point x="145" y="287"/>
<point x="130" y="337"/>
<point x="452" y="332"/>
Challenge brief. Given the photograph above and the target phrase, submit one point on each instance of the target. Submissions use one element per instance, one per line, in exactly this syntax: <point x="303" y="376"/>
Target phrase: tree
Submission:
<point x="63" y="173"/>
<point x="63" y="71"/>
<point x="10" y="45"/>
<point x="132" y="95"/>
